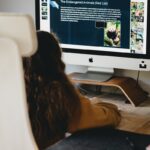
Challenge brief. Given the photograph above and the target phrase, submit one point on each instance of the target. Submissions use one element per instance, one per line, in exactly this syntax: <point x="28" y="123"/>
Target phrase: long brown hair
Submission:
<point x="52" y="99"/>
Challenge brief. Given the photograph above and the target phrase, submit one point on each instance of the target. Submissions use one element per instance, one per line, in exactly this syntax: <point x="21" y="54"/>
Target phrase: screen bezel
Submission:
<point x="94" y="52"/>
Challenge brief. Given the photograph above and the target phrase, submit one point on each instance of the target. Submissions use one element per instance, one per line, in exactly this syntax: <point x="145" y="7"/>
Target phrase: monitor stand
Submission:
<point x="94" y="74"/>
<point x="129" y="87"/>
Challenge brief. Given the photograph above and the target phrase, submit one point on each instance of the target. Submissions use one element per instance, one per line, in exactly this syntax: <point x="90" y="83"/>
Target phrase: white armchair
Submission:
<point x="17" y="39"/>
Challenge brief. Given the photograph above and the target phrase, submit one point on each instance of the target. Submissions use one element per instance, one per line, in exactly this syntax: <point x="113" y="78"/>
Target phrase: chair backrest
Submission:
<point x="17" y="34"/>
<point x="19" y="27"/>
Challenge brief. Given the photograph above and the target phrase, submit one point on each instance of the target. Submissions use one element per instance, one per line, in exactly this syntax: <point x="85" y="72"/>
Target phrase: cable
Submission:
<point x="137" y="79"/>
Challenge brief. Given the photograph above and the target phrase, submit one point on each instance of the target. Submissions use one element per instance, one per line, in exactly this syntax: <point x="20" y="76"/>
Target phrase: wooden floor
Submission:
<point x="135" y="119"/>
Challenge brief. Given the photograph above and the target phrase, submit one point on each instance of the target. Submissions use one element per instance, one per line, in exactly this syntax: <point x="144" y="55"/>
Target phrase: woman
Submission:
<point x="55" y="107"/>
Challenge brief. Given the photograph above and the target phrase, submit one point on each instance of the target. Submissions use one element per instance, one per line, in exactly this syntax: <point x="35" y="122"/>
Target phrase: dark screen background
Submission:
<point x="85" y="32"/>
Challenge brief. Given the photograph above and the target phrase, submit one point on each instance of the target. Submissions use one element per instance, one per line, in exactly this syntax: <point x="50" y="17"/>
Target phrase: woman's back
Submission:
<point x="51" y="98"/>
<point x="55" y="106"/>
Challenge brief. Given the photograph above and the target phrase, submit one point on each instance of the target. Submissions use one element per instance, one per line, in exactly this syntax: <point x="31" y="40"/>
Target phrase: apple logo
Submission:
<point x="91" y="60"/>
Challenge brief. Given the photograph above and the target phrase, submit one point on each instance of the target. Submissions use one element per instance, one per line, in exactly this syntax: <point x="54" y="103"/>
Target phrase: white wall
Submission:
<point x="23" y="6"/>
<point x="28" y="6"/>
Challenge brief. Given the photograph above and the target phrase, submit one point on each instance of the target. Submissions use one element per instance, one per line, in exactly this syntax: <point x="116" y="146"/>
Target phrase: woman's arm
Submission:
<point x="94" y="115"/>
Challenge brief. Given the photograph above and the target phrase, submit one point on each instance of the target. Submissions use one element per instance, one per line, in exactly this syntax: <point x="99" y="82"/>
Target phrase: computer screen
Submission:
<point x="98" y="29"/>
